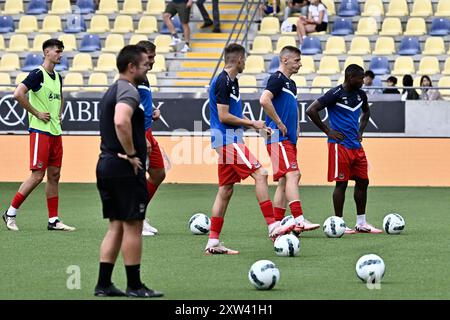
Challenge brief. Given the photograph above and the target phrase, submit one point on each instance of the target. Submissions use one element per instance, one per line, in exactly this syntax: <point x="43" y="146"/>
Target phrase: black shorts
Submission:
<point x="183" y="11"/>
<point x="322" y="27"/>
<point x="123" y="198"/>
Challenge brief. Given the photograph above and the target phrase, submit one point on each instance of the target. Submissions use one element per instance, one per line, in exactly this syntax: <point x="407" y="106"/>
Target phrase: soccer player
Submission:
<point x="349" y="113"/>
<point x="44" y="106"/>
<point x="279" y="101"/>
<point x="121" y="177"/>
<point x="156" y="168"/>
<point x="235" y="160"/>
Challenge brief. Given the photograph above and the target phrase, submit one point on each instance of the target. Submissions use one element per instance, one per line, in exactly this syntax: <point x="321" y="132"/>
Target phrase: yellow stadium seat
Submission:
<point x="160" y="64"/>
<point x="367" y="27"/>
<point x="434" y="46"/>
<point x="51" y="24"/>
<point x="391" y="27"/>
<point x="320" y="81"/>
<point x="153" y="81"/>
<point x="335" y="45"/>
<point x="269" y="26"/>
<point x="99" y="24"/>
<point x="97" y="78"/>
<point x="254" y="64"/>
<point x="162" y="43"/>
<point x="292" y="21"/>
<point x="446" y="66"/>
<point x="132" y="7"/>
<point x="13" y="7"/>
<point x="106" y="62"/>
<point x="27" y="24"/>
<point x="135" y="38"/>
<point x="155" y="7"/>
<point x="5" y="82"/>
<point x="18" y="43"/>
<point x="353" y="60"/>
<point x="331" y="9"/>
<point x="248" y="81"/>
<point x="428" y="66"/>
<point x="403" y="65"/>
<point x="38" y="41"/>
<point x="107" y="7"/>
<point x="373" y="8"/>
<point x="384" y="46"/>
<point x="397" y="8"/>
<point x="73" y="79"/>
<point x="113" y="43"/>
<point x="284" y="41"/>
<point x="300" y="81"/>
<point x="329" y="65"/>
<point x="443" y="9"/>
<point x="2" y="43"/>
<point x="123" y="24"/>
<point x="60" y="7"/>
<point x="262" y="45"/>
<point x="360" y="46"/>
<point x="20" y="77"/>
<point x="147" y="25"/>
<point x="422" y="8"/>
<point x="444" y="82"/>
<point x="69" y="41"/>
<point x="81" y="62"/>
<point x="9" y="62"/>
<point x="308" y="65"/>
<point x="415" y="27"/>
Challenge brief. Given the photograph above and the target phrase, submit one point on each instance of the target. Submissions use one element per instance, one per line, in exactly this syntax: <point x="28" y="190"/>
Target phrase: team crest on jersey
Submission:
<point x="358" y="97"/>
<point x="54" y="96"/>
<point x="287" y="85"/>
<point x="40" y="165"/>
<point x="294" y="165"/>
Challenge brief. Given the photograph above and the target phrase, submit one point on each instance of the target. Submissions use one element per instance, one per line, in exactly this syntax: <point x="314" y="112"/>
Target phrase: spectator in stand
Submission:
<point x="316" y="21"/>
<point x="391" y="82"/>
<point x="369" y="77"/>
<point x="183" y="9"/>
<point x="429" y="94"/>
<point x="269" y="8"/>
<point x="409" y="93"/>
<point x="294" y="6"/>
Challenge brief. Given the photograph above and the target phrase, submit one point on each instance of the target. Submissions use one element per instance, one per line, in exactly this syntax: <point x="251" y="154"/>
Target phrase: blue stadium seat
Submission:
<point x="311" y="45"/>
<point x="37" y="7"/>
<point x="349" y="8"/>
<point x="86" y="6"/>
<point x="274" y="64"/>
<point x="440" y="27"/>
<point x="63" y="65"/>
<point x="90" y="43"/>
<point x="32" y="61"/>
<point x="409" y="46"/>
<point x="75" y="23"/>
<point x="6" y="24"/>
<point x="342" y="27"/>
<point x="379" y="65"/>
<point x="176" y="23"/>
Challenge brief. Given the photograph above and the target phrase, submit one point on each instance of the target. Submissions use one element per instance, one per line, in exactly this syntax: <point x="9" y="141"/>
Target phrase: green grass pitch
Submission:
<point x="34" y="261"/>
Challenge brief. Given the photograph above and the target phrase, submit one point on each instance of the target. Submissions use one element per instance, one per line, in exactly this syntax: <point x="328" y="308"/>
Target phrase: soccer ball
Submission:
<point x="288" y="221"/>
<point x="287" y="245"/>
<point x="199" y="223"/>
<point x="370" y="268"/>
<point x="264" y="274"/>
<point x="334" y="227"/>
<point x="393" y="223"/>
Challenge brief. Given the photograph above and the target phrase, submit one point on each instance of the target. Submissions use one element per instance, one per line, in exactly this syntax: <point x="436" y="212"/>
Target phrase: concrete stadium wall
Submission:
<point x="393" y="161"/>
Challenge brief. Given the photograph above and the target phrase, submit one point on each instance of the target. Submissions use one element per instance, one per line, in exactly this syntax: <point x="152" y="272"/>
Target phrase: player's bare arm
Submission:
<point x="20" y="94"/>
<point x="365" y="115"/>
<point x="313" y="112"/>
<point x="122" y="123"/>
<point x="227" y="118"/>
<point x="269" y="109"/>
<point x="156" y="114"/>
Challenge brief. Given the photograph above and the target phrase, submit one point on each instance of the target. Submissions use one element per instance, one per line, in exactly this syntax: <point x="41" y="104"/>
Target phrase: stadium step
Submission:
<point x="194" y="74"/>
<point x="224" y="6"/>
<point x="203" y="55"/>
<point x="208" y="45"/>
<point x="214" y="36"/>
<point x="200" y="64"/>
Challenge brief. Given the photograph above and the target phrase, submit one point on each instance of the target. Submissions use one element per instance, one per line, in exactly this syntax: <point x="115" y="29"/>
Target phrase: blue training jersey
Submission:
<point x="284" y="100"/>
<point x="146" y="100"/>
<point x="344" y="111"/>
<point x="225" y="91"/>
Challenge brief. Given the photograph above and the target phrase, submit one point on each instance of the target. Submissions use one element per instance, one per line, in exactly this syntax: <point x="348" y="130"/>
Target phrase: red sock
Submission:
<point x="279" y="213"/>
<point x="52" y="205"/>
<point x="216" y="227"/>
<point x="17" y="200"/>
<point x="151" y="190"/>
<point x="296" y="208"/>
<point x="267" y="211"/>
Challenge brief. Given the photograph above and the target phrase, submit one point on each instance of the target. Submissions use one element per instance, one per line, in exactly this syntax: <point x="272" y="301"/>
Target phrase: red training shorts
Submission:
<point x="45" y="151"/>
<point x="284" y="158"/>
<point x="346" y="164"/>
<point x="155" y="156"/>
